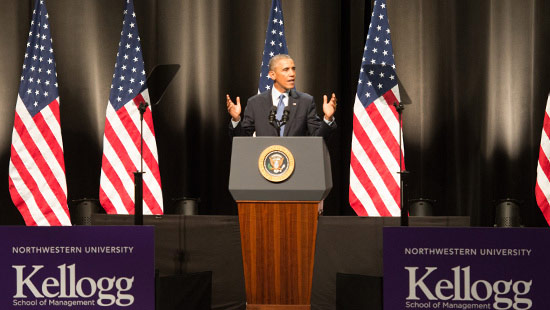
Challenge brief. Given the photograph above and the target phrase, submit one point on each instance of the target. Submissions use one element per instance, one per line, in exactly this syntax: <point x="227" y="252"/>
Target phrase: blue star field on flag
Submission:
<point x="38" y="79"/>
<point x="129" y="77"/>
<point x="378" y="67"/>
<point x="275" y="43"/>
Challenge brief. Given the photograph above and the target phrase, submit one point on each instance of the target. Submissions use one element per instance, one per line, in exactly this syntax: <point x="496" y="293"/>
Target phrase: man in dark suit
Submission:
<point x="300" y="107"/>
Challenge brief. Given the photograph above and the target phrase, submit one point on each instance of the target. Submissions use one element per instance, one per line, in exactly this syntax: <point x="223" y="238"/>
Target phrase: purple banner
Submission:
<point x="466" y="268"/>
<point x="79" y="267"/>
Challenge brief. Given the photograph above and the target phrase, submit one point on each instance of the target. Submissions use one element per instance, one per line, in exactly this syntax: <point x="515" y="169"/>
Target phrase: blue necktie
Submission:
<point x="280" y="109"/>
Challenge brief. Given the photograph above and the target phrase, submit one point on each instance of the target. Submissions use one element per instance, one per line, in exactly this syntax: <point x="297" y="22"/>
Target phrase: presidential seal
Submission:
<point x="276" y="163"/>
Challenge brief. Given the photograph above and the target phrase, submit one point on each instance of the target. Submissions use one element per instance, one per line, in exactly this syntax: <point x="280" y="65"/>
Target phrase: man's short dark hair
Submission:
<point x="275" y="59"/>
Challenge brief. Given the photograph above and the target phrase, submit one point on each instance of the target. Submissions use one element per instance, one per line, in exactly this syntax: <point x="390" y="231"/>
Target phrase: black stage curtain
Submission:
<point x="475" y="73"/>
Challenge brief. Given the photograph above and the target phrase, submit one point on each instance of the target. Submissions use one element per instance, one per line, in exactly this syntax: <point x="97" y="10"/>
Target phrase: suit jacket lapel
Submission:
<point x="293" y="101"/>
<point x="267" y="103"/>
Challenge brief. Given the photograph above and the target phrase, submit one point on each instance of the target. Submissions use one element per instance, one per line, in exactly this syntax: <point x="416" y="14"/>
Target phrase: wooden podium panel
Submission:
<point x="278" y="247"/>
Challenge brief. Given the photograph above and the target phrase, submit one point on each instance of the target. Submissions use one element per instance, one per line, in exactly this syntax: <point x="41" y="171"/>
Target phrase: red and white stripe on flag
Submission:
<point x="122" y="139"/>
<point x="37" y="182"/>
<point x="542" y="187"/>
<point x="374" y="188"/>
<point x="374" y="165"/>
<point x="121" y="158"/>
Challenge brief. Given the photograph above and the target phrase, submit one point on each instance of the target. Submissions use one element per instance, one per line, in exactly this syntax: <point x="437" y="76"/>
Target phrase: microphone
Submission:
<point x="398" y="106"/>
<point x="286" y="112"/>
<point x="142" y="106"/>
<point x="271" y="117"/>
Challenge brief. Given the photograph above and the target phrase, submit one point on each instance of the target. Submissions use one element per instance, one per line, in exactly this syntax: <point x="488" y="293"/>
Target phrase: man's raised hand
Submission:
<point x="233" y="109"/>
<point x="329" y="107"/>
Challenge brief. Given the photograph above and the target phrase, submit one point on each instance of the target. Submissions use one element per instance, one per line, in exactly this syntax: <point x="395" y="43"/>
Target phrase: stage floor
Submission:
<point x="191" y="244"/>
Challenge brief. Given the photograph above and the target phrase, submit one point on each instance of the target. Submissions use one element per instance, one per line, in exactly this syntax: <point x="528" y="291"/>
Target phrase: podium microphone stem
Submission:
<point x="138" y="206"/>
<point x="404" y="209"/>
<point x="138" y="175"/>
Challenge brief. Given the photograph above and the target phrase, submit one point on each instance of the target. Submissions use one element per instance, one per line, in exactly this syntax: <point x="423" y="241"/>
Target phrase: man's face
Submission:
<point x="283" y="74"/>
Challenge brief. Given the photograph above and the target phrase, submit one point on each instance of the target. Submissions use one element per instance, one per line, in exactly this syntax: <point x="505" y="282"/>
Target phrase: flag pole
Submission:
<point x="138" y="175"/>
<point x="159" y="79"/>
<point x="399" y="107"/>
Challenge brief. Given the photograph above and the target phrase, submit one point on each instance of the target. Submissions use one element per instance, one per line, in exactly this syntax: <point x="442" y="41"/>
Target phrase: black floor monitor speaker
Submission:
<point x="190" y="291"/>
<point x="358" y="292"/>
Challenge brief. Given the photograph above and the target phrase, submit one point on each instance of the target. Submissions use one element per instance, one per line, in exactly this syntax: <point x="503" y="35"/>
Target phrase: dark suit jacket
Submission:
<point x="303" y="119"/>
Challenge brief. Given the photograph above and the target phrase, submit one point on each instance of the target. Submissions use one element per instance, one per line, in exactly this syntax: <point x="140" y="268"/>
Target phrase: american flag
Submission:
<point x="374" y="164"/>
<point x="37" y="169"/>
<point x="122" y="140"/>
<point x="542" y="188"/>
<point x="275" y="43"/>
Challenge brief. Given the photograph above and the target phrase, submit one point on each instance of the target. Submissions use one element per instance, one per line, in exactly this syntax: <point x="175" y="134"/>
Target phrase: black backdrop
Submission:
<point x="475" y="71"/>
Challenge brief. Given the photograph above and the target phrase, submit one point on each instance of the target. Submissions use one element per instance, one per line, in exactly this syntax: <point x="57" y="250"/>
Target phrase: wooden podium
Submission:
<point x="278" y="218"/>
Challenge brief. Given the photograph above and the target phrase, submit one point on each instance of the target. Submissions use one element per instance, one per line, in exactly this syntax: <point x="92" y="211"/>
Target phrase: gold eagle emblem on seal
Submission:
<point x="276" y="163"/>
